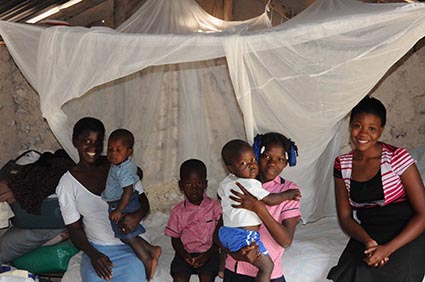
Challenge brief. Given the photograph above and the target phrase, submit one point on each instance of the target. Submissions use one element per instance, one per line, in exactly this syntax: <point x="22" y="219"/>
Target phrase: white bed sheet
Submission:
<point x="315" y="249"/>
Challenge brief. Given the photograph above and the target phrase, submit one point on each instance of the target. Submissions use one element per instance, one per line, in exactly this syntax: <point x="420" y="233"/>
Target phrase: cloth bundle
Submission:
<point x="5" y="214"/>
<point x="38" y="180"/>
<point x="11" y="274"/>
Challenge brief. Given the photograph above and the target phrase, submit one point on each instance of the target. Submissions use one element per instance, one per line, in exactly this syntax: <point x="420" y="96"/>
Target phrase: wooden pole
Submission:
<point x="228" y="10"/>
<point x="278" y="8"/>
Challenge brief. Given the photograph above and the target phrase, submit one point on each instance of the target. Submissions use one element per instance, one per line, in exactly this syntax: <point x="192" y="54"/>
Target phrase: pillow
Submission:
<point x="47" y="259"/>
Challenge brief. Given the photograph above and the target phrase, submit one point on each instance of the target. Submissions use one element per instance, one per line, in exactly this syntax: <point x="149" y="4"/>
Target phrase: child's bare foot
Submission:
<point x="155" y="253"/>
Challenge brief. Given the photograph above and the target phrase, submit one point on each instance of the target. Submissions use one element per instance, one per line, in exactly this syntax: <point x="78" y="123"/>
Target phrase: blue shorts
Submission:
<point x="132" y="206"/>
<point x="234" y="239"/>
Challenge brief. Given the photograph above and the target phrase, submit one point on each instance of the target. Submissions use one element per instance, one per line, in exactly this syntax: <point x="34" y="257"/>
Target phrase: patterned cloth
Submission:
<point x="394" y="161"/>
<point x="234" y="239"/>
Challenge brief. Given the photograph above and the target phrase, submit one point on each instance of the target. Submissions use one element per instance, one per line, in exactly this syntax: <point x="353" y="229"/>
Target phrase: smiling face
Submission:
<point x="89" y="145"/>
<point x="365" y="130"/>
<point x="244" y="165"/>
<point x="272" y="162"/>
<point x="118" y="152"/>
<point x="193" y="184"/>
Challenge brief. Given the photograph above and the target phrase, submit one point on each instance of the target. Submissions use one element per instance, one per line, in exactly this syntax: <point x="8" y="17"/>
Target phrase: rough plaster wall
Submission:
<point x="402" y="91"/>
<point x="8" y="130"/>
<point x="22" y="126"/>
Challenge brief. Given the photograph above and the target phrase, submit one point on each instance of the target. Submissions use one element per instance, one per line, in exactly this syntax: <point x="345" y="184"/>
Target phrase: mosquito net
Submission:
<point x="185" y="82"/>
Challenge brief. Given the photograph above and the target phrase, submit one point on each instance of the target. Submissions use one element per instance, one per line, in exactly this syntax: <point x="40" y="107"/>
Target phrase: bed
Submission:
<point x="315" y="249"/>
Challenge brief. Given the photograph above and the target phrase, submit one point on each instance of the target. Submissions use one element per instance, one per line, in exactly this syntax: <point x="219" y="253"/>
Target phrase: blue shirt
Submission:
<point x="120" y="176"/>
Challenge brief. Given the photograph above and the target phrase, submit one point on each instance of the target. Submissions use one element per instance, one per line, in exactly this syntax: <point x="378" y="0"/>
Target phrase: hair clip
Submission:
<point x="291" y="156"/>
<point x="257" y="146"/>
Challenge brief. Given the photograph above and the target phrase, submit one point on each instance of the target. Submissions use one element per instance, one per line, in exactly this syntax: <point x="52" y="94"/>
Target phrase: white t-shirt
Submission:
<point x="233" y="217"/>
<point x="76" y="201"/>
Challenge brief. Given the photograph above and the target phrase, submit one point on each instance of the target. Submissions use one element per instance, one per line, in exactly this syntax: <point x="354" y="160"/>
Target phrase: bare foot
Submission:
<point x="155" y="253"/>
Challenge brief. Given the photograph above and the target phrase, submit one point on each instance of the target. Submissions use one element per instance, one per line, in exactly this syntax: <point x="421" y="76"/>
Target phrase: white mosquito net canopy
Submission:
<point x="185" y="82"/>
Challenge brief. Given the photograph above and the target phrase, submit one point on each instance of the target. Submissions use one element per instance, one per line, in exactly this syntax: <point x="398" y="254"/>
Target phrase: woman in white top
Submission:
<point x="86" y="214"/>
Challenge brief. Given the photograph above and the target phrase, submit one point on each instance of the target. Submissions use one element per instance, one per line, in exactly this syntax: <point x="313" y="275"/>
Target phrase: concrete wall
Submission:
<point x="22" y="126"/>
<point x="402" y="91"/>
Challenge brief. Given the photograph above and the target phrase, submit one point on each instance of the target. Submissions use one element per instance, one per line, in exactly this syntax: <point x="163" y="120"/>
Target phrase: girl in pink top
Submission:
<point x="279" y="222"/>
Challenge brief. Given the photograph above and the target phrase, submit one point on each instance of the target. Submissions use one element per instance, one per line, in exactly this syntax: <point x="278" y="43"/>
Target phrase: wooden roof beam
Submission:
<point x="278" y="8"/>
<point x="228" y="10"/>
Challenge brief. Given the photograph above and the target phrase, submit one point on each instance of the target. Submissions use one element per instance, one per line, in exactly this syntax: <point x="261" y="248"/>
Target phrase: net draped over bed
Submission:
<point x="186" y="83"/>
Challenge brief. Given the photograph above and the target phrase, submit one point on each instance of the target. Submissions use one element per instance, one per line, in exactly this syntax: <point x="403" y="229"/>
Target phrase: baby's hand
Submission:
<point x="115" y="216"/>
<point x="293" y="194"/>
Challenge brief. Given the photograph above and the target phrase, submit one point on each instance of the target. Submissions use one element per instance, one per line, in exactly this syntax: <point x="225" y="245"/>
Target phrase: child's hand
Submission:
<point x="293" y="194"/>
<point x="248" y="253"/>
<point x="190" y="261"/>
<point x="245" y="199"/>
<point x="201" y="260"/>
<point x="115" y="216"/>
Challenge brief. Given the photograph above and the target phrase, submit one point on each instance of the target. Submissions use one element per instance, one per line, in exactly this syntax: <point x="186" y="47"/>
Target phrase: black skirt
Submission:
<point x="407" y="264"/>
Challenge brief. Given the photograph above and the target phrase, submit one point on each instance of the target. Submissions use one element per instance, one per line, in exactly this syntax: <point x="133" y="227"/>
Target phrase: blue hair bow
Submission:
<point x="258" y="140"/>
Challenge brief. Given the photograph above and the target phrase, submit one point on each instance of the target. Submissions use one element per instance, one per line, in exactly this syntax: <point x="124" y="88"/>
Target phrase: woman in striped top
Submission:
<point x="382" y="185"/>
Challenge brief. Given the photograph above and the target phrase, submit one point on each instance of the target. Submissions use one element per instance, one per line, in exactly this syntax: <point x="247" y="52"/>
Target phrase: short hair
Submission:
<point x="275" y="138"/>
<point x="370" y="105"/>
<point x="193" y="165"/>
<point x="88" y="123"/>
<point x="233" y="149"/>
<point x="124" y="135"/>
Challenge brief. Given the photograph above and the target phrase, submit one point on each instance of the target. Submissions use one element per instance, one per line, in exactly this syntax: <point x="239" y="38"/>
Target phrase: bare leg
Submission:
<point x="222" y="264"/>
<point x="147" y="253"/>
<point x="181" y="277"/>
<point x="206" y="277"/>
<point x="265" y="267"/>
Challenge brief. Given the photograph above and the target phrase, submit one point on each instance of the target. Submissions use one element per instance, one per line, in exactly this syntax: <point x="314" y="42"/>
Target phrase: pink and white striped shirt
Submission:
<point x="394" y="162"/>
<point x="285" y="210"/>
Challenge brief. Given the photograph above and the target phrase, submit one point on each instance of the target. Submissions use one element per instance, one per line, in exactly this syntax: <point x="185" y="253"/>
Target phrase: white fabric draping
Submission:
<point x="299" y="78"/>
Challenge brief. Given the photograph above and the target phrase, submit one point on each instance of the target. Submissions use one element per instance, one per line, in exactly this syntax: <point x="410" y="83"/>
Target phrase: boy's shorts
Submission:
<point x="132" y="206"/>
<point x="235" y="238"/>
<point x="179" y="265"/>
